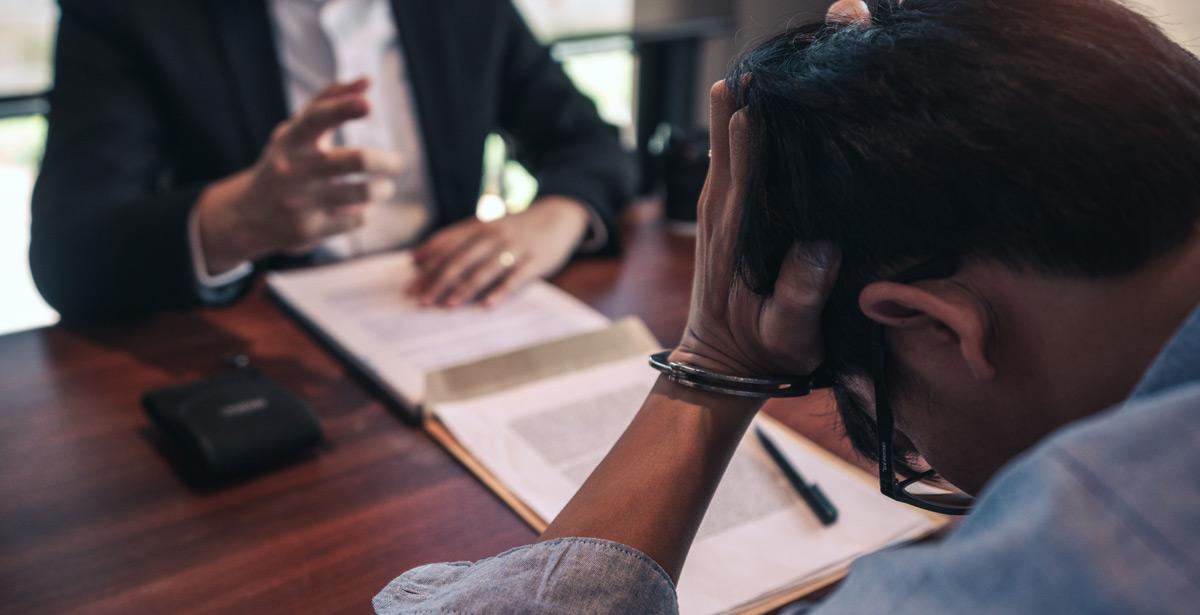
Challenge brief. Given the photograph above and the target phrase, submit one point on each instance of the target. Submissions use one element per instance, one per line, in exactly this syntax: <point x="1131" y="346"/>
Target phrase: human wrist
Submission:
<point x="712" y="360"/>
<point x="727" y="411"/>
<point x="222" y="231"/>
<point x="713" y="349"/>
<point x="570" y="212"/>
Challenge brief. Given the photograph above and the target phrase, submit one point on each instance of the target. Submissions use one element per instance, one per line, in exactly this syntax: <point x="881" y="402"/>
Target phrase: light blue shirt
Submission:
<point x="1102" y="516"/>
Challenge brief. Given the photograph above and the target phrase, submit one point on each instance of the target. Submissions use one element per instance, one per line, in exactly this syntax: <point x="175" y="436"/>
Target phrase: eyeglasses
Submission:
<point x="917" y="490"/>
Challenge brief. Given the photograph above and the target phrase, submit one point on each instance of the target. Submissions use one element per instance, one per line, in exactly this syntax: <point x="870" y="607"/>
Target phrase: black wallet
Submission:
<point x="232" y="425"/>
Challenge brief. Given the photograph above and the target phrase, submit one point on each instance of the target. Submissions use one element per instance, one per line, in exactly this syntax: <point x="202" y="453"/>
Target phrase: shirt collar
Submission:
<point x="1177" y="364"/>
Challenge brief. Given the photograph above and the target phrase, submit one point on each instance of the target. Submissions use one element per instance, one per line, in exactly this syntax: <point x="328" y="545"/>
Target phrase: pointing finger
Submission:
<point x="334" y="90"/>
<point x="324" y="115"/>
<point x="739" y="152"/>
<point x="721" y="108"/>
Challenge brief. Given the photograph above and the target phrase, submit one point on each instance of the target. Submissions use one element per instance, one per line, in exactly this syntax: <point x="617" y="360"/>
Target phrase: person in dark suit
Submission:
<point x="193" y="142"/>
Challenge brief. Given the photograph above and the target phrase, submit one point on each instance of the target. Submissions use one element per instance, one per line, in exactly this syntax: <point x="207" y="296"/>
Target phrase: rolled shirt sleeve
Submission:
<point x="579" y="575"/>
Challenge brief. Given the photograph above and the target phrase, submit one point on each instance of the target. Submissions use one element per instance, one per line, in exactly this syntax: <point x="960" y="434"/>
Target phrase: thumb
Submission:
<point x="808" y="274"/>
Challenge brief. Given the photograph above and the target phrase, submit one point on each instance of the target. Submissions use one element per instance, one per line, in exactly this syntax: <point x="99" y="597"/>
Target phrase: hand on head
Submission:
<point x="302" y="190"/>
<point x="730" y="328"/>
<point x="848" y="12"/>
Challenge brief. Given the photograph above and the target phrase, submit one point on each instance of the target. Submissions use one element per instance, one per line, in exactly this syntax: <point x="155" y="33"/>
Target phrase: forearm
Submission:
<point x="653" y="487"/>
<point x="223" y="237"/>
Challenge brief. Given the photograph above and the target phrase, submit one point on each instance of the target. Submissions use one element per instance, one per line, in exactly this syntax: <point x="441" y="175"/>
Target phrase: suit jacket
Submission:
<point x="155" y="99"/>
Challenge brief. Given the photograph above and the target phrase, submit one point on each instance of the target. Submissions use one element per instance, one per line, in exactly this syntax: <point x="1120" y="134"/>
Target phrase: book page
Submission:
<point x="360" y="306"/>
<point x="542" y="440"/>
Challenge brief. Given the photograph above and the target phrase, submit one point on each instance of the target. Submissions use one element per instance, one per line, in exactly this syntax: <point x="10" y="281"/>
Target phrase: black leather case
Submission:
<point x="232" y="425"/>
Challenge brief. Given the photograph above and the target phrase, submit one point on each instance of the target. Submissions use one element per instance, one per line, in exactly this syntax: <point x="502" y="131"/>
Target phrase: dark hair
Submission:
<point x="1061" y="136"/>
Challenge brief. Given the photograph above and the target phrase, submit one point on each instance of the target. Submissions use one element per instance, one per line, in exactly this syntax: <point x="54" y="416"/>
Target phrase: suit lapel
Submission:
<point x="424" y="36"/>
<point x="247" y="39"/>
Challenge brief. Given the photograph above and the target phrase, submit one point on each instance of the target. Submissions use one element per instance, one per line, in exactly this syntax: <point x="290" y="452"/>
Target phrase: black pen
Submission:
<point x="811" y="493"/>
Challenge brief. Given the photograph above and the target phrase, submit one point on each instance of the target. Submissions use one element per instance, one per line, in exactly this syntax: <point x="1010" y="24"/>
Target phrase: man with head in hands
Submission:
<point x="982" y="219"/>
<point x="195" y="142"/>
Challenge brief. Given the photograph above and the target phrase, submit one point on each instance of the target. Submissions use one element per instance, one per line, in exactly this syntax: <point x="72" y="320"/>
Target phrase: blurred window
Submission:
<point x="1179" y="18"/>
<point x="26" y="44"/>
<point x="555" y="19"/>
<point x="590" y="38"/>
<point x="26" y="41"/>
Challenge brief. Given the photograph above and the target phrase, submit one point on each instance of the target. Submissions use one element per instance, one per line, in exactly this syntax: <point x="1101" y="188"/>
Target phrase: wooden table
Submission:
<point x="92" y="518"/>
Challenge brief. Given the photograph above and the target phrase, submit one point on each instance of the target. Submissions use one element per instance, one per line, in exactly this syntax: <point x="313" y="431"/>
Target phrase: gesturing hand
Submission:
<point x="731" y="329"/>
<point x="488" y="260"/>
<point x="301" y="190"/>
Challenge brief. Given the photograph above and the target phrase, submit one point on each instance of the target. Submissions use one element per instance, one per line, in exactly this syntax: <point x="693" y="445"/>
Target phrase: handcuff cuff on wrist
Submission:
<point x="702" y="379"/>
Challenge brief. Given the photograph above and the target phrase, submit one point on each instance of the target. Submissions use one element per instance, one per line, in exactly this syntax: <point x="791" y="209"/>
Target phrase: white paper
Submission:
<point x="541" y="441"/>
<point x="361" y="307"/>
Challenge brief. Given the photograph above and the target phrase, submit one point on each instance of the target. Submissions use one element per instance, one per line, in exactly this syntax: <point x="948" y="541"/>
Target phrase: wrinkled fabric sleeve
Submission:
<point x="1065" y="529"/>
<point x="578" y="575"/>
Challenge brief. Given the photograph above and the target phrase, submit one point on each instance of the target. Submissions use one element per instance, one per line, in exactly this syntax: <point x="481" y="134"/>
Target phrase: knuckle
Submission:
<point x="452" y="271"/>
<point x="302" y="124"/>
<point x="294" y="205"/>
<point x="280" y="167"/>
<point x="500" y="232"/>
<point x="314" y="228"/>
<point x="302" y="228"/>
<point x="312" y="109"/>
<point x="482" y="276"/>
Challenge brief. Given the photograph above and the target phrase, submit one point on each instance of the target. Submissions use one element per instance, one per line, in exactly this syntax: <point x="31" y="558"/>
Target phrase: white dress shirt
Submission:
<point x="320" y="42"/>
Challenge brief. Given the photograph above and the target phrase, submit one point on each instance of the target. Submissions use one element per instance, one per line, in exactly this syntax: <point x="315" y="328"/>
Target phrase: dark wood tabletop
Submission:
<point x="92" y="517"/>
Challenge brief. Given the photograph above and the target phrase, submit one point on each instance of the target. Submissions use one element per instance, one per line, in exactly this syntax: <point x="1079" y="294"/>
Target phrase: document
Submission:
<point x="360" y="308"/>
<point x="541" y="440"/>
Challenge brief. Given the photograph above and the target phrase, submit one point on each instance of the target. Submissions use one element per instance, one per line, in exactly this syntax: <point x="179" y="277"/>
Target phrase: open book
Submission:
<point x="360" y="309"/>
<point x="534" y="419"/>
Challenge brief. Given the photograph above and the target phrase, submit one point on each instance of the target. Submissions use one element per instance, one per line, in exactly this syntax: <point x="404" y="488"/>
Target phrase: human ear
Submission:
<point x="947" y="311"/>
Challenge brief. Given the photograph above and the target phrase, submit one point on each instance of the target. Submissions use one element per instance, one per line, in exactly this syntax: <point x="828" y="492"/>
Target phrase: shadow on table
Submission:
<point x="179" y="343"/>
